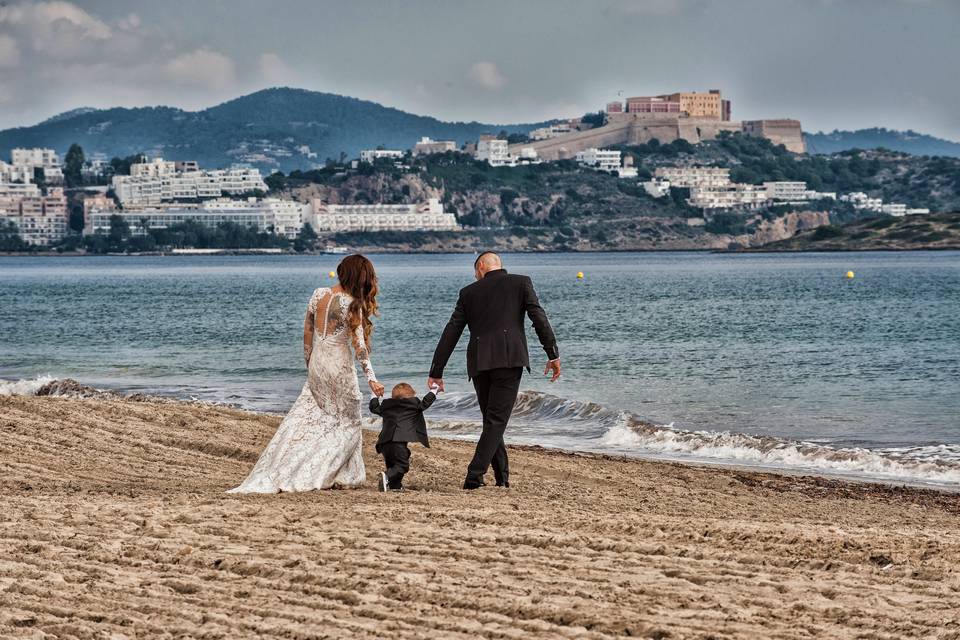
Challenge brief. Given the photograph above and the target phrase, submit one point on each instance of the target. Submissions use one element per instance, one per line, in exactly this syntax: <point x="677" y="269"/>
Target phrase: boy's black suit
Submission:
<point x="402" y="419"/>
<point x="403" y="422"/>
<point x="494" y="309"/>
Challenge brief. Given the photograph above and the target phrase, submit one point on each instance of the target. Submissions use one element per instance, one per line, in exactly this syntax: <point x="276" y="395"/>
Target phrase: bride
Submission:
<point x="319" y="443"/>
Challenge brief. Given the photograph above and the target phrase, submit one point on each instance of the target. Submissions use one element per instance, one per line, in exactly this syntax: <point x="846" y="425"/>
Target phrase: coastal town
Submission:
<point x="156" y="193"/>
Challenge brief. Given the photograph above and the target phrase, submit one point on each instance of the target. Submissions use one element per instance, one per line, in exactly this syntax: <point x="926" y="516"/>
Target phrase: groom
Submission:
<point x="493" y="307"/>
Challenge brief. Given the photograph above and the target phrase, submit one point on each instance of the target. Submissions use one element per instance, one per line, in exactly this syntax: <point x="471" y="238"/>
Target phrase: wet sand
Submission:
<point x="114" y="524"/>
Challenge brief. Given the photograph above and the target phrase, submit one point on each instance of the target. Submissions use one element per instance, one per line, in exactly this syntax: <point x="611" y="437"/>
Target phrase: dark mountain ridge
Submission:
<point x="279" y="128"/>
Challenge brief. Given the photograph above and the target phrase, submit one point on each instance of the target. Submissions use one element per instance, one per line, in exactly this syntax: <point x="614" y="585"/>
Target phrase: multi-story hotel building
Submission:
<point x="15" y="173"/>
<point x="157" y="182"/>
<point x="734" y="196"/>
<point x="795" y="191"/>
<point x="284" y="217"/>
<point x="370" y="155"/>
<point x="600" y="159"/>
<point x="495" y="152"/>
<point x="46" y="160"/>
<point x="426" y="146"/>
<point x="428" y="216"/>
<point x="691" y="177"/>
<point x="40" y="220"/>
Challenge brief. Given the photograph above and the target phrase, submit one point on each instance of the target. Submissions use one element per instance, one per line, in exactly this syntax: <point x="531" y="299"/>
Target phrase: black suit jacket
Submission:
<point x="402" y="419"/>
<point x="494" y="309"/>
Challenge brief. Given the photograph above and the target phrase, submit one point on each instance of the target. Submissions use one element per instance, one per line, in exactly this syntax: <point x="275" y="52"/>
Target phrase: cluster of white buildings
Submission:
<point x="496" y="153"/>
<point x="45" y="161"/>
<point x="40" y="215"/>
<point x="862" y="201"/>
<point x="158" y="181"/>
<point x="284" y="217"/>
<point x="608" y="160"/>
<point x="427" y="216"/>
<point x="425" y="146"/>
<point x="711" y="188"/>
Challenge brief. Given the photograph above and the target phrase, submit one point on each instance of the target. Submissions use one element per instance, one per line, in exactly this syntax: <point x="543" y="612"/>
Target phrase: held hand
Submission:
<point x="377" y="388"/>
<point x="435" y="382"/>
<point x="554" y="366"/>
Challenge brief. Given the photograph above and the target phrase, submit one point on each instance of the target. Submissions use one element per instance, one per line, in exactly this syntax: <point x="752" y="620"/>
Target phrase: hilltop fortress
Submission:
<point x="691" y="116"/>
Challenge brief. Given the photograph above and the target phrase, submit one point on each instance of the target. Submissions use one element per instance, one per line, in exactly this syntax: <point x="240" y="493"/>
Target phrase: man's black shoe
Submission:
<point x="505" y="484"/>
<point x="470" y="486"/>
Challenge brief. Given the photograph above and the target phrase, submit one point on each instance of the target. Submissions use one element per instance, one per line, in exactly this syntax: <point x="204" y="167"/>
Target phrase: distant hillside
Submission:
<point x="274" y="129"/>
<point x="906" y="141"/>
<point x="933" y="231"/>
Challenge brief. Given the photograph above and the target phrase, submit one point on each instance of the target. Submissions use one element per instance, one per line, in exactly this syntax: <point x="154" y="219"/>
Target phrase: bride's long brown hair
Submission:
<point x="359" y="279"/>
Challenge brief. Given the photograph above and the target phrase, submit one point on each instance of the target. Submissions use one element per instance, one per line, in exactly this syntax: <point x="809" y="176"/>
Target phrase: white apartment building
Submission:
<point x="16" y="190"/>
<point x="426" y="146"/>
<point x="894" y="209"/>
<point x="735" y="196"/>
<point x="552" y="131"/>
<point x="40" y="220"/>
<point x="45" y="159"/>
<point x="156" y="168"/>
<point x="860" y="200"/>
<point x="15" y="173"/>
<point x="155" y="188"/>
<point x="428" y="216"/>
<point x="691" y="177"/>
<point x="284" y="217"/>
<point x="495" y="152"/>
<point x="370" y="155"/>
<point x="795" y="191"/>
<point x="600" y="159"/>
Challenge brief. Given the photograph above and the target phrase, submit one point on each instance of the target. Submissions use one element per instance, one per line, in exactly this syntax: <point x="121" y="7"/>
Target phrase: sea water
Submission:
<point x="772" y="360"/>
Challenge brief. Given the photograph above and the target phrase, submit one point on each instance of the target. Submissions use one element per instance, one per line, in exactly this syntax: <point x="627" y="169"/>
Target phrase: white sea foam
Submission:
<point x="24" y="387"/>
<point x="741" y="448"/>
<point x="548" y="420"/>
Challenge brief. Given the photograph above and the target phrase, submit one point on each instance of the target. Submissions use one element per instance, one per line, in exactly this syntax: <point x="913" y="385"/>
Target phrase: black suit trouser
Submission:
<point x="496" y="393"/>
<point x="396" y="459"/>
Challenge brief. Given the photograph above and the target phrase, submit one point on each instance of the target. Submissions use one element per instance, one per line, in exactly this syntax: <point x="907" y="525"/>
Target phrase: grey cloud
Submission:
<point x="830" y="63"/>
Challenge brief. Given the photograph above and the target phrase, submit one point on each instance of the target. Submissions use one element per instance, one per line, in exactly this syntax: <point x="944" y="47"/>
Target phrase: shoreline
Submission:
<point x="126" y="497"/>
<point x="387" y="251"/>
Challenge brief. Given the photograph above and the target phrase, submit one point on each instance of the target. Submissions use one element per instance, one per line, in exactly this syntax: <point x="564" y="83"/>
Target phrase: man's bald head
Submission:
<point x="486" y="262"/>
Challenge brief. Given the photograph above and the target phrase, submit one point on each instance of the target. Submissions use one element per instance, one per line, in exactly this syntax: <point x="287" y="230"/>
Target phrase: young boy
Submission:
<point x="403" y="422"/>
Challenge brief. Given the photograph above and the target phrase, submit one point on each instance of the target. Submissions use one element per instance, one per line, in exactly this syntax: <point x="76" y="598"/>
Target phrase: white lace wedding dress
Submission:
<point x="319" y="443"/>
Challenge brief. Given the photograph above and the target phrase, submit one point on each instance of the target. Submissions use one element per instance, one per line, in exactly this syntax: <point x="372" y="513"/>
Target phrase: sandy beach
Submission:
<point x="115" y="524"/>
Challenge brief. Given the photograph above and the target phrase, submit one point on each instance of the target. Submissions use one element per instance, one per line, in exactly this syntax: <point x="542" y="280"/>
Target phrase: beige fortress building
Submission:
<point x="689" y="116"/>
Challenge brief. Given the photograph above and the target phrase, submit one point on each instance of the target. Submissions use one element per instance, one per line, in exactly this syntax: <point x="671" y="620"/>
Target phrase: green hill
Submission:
<point x="932" y="231"/>
<point x="280" y="128"/>
<point x="918" y="144"/>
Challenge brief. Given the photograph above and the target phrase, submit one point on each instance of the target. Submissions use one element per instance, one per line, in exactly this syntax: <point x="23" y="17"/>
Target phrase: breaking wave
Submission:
<point x="549" y="420"/>
<point x="24" y="387"/>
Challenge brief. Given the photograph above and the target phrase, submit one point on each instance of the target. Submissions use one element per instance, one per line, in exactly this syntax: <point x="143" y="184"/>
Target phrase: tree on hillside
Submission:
<point x="597" y="119"/>
<point x="121" y="166"/>
<point x="73" y="166"/>
<point x="305" y="239"/>
<point x="119" y="231"/>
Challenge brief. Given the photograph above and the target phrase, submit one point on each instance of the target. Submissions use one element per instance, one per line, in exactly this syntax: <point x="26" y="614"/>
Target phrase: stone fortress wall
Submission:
<point x="639" y="128"/>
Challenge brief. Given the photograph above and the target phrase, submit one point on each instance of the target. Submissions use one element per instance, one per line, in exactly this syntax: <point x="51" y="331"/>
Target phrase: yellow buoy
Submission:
<point x="579" y="275"/>
<point x="332" y="274"/>
<point x="850" y="275"/>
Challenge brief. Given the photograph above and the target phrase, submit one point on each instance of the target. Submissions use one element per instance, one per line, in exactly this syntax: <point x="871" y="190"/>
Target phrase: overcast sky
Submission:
<point x="831" y="63"/>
